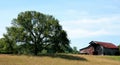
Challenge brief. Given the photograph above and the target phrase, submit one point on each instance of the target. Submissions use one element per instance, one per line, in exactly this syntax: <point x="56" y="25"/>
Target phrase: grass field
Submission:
<point x="59" y="59"/>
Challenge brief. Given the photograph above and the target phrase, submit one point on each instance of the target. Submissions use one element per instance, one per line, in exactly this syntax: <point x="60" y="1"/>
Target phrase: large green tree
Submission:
<point x="38" y="30"/>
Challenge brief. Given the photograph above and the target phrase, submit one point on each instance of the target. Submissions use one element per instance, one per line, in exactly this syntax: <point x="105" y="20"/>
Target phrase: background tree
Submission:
<point x="75" y="51"/>
<point x="2" y="45"/>
<point x="37" y="31"/>
<point x="11" y="38"/>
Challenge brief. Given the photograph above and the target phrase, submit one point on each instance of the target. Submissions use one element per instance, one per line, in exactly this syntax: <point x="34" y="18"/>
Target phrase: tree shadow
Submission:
<point x="64" y="56"/>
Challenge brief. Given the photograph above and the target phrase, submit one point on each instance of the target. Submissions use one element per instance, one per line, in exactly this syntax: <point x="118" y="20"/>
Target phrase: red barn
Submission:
<point x="100" y="48"/>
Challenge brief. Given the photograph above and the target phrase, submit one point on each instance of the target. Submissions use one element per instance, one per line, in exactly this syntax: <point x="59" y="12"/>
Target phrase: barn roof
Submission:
<point x="105" y="44"/>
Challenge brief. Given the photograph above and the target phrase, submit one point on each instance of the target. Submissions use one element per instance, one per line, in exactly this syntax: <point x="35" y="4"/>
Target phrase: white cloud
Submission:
<point x="75" y="33"/>
<point x="94" y="20"/>
<point x="92" y="27"/>
<point x="73" y="12"/>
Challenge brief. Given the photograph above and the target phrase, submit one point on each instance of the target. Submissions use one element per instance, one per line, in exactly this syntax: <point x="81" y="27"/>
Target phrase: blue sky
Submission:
<point x="83" y="20"/>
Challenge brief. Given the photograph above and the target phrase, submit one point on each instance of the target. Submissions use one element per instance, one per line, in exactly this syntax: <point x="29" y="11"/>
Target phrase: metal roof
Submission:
<point x="106" y="44"/>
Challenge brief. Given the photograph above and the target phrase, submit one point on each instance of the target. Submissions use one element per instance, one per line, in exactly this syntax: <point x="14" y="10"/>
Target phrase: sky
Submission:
<point x="83" y="20"/>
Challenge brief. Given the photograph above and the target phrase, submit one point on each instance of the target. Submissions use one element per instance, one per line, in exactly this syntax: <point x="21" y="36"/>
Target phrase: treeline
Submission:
<point x="34" y="33"/>
<point x="119" y="49"/>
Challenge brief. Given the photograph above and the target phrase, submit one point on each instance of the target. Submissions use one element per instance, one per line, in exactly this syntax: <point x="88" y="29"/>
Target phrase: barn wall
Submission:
<point x="108" y="51"/>
<point x="89" y="50"/>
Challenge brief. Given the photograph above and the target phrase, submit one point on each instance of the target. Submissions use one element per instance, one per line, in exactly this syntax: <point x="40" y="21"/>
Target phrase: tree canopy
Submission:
<point x="33" y="32"/>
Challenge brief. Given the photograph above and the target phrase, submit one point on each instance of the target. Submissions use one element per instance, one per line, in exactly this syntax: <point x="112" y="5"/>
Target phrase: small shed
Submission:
<point x="100" y="48"/>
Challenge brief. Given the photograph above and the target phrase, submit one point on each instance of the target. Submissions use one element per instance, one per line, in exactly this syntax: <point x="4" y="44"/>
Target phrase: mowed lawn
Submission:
<point x="59" y="59"/>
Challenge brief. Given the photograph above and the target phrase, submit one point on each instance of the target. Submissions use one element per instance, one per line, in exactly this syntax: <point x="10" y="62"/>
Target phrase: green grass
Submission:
<point x="113" y="57"/>
<point x="58" y="59"/>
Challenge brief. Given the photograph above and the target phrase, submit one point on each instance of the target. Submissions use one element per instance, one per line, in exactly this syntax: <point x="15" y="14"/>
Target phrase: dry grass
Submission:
<point x="56" y="60"/>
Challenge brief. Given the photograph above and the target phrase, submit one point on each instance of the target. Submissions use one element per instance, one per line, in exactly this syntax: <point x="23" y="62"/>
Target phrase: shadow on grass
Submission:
<point x="64" y="56"/>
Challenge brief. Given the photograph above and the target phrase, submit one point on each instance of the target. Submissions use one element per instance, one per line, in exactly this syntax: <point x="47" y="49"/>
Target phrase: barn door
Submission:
<point x="98" y="50"/>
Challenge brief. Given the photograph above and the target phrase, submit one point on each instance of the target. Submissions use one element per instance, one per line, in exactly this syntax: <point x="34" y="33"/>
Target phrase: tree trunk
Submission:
<point x="36" y="49"/>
